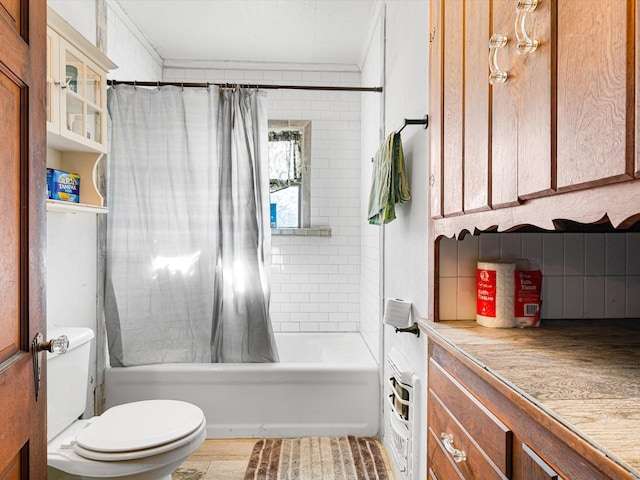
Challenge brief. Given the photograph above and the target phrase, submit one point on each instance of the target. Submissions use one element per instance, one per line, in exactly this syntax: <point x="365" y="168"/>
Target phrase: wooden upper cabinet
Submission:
<point x="453" y="107"/>
<point x="476" y="124"/>
<point x="563" y="119"/>
<point x="435" y="114"/>
<point x="521" y="161"/>
<point x="595" y="92"/>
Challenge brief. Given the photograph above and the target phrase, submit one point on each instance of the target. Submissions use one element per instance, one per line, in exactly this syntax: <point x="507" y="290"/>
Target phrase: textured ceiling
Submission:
<point x="299" y="31"/>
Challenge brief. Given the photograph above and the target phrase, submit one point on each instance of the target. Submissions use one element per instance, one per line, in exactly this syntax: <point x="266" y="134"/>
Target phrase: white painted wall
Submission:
<point x="71" y="270"/>
<point x="71" y="278"/>
<point x="403" y="258"/>
<point x="81" y="14"/>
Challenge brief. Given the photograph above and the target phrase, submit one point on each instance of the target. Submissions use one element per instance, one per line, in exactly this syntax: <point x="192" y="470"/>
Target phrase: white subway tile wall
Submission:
<point x="315" y="280"/>
<point x="584" y="275"/>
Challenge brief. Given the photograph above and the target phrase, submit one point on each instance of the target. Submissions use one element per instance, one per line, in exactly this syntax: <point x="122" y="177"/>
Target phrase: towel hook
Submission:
<point x="417" y="121"/>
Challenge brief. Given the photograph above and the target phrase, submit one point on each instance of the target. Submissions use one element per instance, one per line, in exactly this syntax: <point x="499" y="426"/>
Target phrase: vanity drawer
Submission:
<point x="441" y="466"/>
<point x="452" y="409"/>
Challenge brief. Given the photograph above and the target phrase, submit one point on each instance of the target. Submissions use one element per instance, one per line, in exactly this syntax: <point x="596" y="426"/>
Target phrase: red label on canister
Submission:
<point x="486" y="292"/>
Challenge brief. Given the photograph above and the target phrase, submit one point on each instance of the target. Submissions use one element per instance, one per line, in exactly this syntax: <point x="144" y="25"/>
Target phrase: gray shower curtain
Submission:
<point x="188" y="239"/>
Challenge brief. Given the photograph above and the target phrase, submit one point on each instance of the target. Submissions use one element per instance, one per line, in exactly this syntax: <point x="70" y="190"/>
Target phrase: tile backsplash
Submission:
<point x="584" y="275"/>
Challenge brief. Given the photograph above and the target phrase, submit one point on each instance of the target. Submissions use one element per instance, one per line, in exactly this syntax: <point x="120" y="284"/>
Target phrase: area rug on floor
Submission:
<point x="317" y="458"/>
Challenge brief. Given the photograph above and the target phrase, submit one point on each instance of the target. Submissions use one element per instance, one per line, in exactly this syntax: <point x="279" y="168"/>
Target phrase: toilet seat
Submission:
<point x="62" y="458"/>
<point x="135" y="454"/>
<point x="139" y="429"/>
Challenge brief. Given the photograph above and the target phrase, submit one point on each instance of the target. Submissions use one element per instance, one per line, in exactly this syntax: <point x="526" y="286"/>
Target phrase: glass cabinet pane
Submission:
<point x="94" y="86"/>
<point x="73" y="74"/>
<point x="74" y="114"/>
<point x="94" y="124"/>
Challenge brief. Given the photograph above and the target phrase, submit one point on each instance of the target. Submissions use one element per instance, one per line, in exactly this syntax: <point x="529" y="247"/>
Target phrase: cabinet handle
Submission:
<point x="458" y="455"/>
<point x="525" y="43"/>
<point x="496" y="42"/>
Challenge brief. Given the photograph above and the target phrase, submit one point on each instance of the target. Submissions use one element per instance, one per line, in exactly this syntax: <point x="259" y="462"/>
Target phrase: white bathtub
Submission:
<point x="326" y="384"/>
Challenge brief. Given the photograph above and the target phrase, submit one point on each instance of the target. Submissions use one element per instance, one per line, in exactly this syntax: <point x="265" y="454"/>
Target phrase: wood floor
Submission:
<point x="226" y="459"/>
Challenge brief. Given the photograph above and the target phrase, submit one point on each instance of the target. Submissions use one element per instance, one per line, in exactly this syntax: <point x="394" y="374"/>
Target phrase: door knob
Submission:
<point x="57" y="345"/>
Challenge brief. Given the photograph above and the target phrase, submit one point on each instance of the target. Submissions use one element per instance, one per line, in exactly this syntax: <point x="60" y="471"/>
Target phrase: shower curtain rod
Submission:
<point x="246" y="85"/>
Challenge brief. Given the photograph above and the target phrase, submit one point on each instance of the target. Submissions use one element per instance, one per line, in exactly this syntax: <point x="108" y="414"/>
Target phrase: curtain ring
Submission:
<point x="158" y="84"/>
<point x="135" y="86"/>
<point x="182" y="86"/>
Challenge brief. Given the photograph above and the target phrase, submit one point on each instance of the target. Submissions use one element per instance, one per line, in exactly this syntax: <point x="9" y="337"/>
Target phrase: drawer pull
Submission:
<point x="458" y="455"/>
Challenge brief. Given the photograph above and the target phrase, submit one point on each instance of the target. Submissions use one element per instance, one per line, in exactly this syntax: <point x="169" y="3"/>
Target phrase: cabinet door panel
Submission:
<point x="595" y="97"/>
<point x="504" y="112"/>
<point x="435" y="110"/>
<point x="536" y="162"/>
<point x="453" y="111"/>
<point x="476" y="107"/>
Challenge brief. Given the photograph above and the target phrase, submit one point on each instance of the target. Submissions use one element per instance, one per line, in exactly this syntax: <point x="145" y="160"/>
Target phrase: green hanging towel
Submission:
<point x="389" y="182"/>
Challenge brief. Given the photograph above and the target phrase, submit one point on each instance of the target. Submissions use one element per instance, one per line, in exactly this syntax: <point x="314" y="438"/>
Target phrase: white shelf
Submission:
<point x="70" y="207"/>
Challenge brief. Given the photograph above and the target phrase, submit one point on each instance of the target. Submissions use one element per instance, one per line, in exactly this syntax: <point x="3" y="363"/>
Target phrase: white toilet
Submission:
<point x="140" y="440"/>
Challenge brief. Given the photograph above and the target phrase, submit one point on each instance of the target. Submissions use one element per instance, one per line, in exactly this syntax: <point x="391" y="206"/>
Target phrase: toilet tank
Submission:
<point x="67" y="379"/>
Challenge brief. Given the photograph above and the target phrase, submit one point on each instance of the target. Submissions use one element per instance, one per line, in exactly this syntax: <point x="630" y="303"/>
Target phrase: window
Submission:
<point x="289" y="155"/>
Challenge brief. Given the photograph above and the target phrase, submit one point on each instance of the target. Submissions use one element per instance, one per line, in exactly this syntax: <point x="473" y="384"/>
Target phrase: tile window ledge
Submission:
<point x="303" y="232"/>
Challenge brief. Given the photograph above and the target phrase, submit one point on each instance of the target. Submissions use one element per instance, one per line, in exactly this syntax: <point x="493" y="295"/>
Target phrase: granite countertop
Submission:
<point x="585" y="374"/>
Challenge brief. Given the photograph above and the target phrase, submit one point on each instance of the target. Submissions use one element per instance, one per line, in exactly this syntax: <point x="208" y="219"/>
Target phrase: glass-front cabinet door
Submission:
<point x="53" y="100"/>
<point x="82" y="96"/>
<point x="76" y="97"/>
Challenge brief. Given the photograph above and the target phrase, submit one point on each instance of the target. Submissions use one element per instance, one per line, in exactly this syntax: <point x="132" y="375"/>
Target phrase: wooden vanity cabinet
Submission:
<point x="563" y="120"/>
<point x="477" y="442"/>
<point x="497" y="433"/>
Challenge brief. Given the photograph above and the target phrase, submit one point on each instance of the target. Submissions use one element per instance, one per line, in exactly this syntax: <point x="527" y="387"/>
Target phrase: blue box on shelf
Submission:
<point x="63" y="185"/>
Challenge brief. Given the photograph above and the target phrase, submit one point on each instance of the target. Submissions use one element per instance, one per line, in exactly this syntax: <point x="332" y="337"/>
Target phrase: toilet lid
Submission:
<point x="140" y="425"/>
<point x="137" y="454"/>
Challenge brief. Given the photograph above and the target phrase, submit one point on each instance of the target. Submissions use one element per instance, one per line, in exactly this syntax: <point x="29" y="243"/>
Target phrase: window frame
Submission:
<point x="304" y="200"/>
